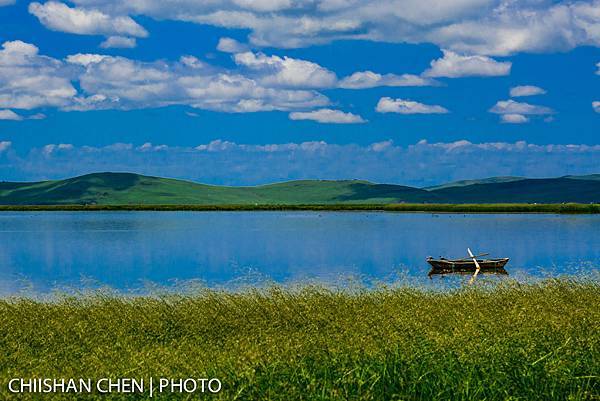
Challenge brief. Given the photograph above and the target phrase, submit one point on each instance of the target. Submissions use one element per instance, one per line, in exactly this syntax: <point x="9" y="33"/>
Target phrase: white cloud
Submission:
<point x="52" y="148"/>
<point x="526" y="90"/>
<point x="512" y="107"/>
<point x="6" y="2"/>
<point x="260" y="83"/>
<point x="598" y="72"/>
<point x="7" y="114"/>
<point x="122" y="42"/>
<point x="60" y="17"/>
<point x="17" y="50"/>
<point x="217" y="145"/>
<point x="10" y="115"/>
<point x="402" y="106"/>
<point x="4" y="145"/>
<point x="328" y="116"/>
<point x="235" y="93"/>
<point x="37" y="116"/>
<point x="229" y="45"/>
<point x="149" y="147"/>
<point x="191" y="61"/>
<point x="489" y="27"/>
<point x="453" y="65"/>
<point x="286" y="71"/>
<point x="369" y="79"/>
<point x="516" y="26"/>
<point x="29" y="80"/>
<point x="118" y="82"/>
<point x="514" y="118"/>
<point x="381" y="146"/>
<point x="596" y="106"/>
<point x="85" y="59"/>
<point x="473" y="26"/>
<point x="264" y="5"/>
<point x="513" y="112"/>
<point x="290" y="72"/>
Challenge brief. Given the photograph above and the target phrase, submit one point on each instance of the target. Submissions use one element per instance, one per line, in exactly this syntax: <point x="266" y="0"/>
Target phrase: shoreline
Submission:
<point x="565" y="208"/>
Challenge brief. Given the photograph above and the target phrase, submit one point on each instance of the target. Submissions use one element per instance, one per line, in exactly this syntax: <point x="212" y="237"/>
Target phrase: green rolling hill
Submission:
<point x="592" y="177"/>
<point x="134" y="189"/>
<point x="543" y="190"/>
<point x="127" y="188"/>
<point x="464" y="183"/>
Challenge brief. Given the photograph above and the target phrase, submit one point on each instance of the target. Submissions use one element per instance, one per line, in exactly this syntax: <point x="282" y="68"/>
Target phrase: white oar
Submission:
<point x="476" y="266"/>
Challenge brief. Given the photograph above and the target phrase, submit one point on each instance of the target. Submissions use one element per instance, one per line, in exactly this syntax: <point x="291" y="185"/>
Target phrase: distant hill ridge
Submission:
<point x="464" y="183"/>
<point x="134" y="189"/>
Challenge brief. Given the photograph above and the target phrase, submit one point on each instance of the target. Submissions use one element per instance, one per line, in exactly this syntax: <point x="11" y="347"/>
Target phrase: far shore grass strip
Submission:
<point x="514" y="341"/>
<point x="563" y="208"/>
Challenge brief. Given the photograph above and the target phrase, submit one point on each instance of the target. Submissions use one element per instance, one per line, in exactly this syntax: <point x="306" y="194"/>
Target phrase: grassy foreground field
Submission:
<point x="510" y="342"/>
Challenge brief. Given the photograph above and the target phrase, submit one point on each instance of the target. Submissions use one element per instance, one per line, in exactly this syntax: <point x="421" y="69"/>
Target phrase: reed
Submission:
<point x="538" y="341"/>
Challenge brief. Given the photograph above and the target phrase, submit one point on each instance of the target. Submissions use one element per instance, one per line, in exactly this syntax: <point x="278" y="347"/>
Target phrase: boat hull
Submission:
<point x="445" y="266"/>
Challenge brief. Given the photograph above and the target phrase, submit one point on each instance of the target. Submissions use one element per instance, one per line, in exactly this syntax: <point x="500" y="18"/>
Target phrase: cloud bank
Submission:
<point x="487" y="27"/>
<point x="259" y="82"/>
<point x="224" y="162"/>
<point x="29" y="80"/>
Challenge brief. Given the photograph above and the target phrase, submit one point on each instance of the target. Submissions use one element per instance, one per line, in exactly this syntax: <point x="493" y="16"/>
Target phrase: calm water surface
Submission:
<point x="128" y="250"/>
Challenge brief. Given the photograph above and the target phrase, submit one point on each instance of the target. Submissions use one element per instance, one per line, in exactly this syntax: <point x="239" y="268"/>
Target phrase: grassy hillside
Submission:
<point x="547" y="190"/>
<point x="584" y="177"/>
<point x="464" y="183"/>
<point x="134" y="189"/>
<point x="126" y="188"/>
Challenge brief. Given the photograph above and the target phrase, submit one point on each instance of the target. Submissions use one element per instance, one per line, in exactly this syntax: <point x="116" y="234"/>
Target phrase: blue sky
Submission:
<point x="169" y="78"/>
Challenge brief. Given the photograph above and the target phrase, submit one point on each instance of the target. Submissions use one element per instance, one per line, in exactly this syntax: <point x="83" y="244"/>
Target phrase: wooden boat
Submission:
<point x="467" y="265"/>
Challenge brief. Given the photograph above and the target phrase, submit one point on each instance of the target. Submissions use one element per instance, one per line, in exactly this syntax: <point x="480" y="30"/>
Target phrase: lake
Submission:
<point x="42" y="251"/>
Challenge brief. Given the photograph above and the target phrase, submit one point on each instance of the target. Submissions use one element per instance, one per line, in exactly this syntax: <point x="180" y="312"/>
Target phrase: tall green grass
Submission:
<point x="566" y="208"/>
<point x="508" y="342"/>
